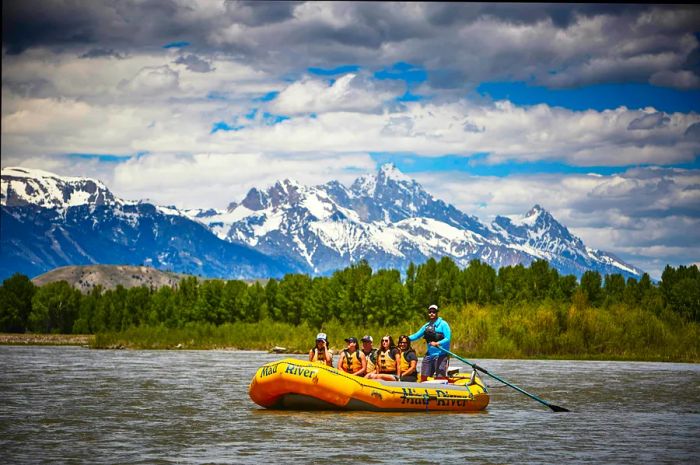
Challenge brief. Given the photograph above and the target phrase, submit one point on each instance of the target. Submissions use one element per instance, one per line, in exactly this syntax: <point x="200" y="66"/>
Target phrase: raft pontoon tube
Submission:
<point x="302" y="385"/>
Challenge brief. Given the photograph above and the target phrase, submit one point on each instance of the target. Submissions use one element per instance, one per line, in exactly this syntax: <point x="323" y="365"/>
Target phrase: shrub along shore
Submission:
<point x="527" y="332"/>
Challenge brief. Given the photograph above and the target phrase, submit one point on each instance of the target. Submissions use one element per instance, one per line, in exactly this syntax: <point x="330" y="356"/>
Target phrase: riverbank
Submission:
<point x="133" y="343"/>
<point x="46" y="339"/>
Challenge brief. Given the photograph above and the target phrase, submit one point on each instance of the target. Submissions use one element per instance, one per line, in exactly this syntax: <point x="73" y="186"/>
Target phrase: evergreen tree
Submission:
<point x="88" y="309"/>
<point x="209" y="306"/>
<point x="385" y="299"/>
<point x="448" y="285"/>
<point x="425" y="289"/>
<point x="256" y="303"/>
<point x="137" y="306"/>
<point x="316" y="306"/>
<point x="511" y="285"/>
<point x="479" y="283"/>
<point x="271" y="297"/>
<point x="614" y="288"/>
<point x="291" y="294"/>
<point x="16" y="294"/>
<point x="540" y="280"/>
<point x="591" y="285"/>
<point x="233" y="302"/>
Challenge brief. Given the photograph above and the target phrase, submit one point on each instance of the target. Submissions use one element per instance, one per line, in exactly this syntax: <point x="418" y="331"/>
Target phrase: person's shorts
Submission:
<point x="434" y="366"/>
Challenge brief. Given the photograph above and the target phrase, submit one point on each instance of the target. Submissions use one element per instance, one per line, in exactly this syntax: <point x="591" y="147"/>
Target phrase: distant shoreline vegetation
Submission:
<point x="515" y="312"/>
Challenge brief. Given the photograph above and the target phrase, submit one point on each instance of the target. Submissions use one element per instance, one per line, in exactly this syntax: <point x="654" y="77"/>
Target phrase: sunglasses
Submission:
<point x="385" y="340"/>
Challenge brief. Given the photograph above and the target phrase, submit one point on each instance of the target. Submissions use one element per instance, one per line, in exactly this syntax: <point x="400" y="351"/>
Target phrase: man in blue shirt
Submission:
<point x="437" y="334"/>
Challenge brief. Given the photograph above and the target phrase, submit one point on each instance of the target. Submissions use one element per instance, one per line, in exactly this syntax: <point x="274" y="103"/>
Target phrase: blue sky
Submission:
<point x="590" y="110"/>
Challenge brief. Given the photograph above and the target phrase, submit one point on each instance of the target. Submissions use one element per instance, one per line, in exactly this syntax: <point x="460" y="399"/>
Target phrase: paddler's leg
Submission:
<point x="426" y="368"/>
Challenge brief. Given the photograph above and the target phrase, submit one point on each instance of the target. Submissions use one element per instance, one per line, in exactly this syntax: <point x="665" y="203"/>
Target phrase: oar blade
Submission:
<point x="556" y="408"/>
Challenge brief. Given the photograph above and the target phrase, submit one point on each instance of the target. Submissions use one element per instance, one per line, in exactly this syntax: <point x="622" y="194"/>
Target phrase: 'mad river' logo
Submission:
<point x="300" y="371"/>
<point x="441" y="398"/>
<point x="268" y="370"/>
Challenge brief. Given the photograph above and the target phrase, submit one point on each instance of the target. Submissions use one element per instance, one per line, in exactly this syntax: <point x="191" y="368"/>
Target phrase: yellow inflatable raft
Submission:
<point x="302" y="385"/>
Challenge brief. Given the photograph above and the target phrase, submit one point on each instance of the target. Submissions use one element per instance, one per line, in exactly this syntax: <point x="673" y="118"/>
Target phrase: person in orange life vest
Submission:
<point x="321" y="353"/>
<point x="408" y="360"/>
<point x="388" y="362"/>
<point x="352" y="360"/>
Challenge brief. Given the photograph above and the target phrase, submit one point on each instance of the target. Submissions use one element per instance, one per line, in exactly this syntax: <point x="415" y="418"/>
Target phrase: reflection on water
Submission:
<point x="67" y="404"/>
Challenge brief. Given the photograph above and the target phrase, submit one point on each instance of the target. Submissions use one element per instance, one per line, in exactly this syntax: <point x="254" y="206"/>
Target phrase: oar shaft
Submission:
<point x="532" y="396"/>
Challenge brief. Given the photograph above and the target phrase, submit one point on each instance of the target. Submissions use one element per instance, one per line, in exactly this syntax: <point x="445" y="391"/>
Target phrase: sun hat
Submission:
<point x="321" y="337"/>
<point x="351" y="339"/>
<point x="433" y="307"/>
<point x="367" y="338"/>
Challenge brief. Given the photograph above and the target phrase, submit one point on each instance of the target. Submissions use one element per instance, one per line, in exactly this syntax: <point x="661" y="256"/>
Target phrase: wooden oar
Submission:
<point x="555" y="408"/>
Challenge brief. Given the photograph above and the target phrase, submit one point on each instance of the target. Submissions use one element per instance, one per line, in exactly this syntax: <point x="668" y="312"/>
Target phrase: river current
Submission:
<point x="76" y="405"/>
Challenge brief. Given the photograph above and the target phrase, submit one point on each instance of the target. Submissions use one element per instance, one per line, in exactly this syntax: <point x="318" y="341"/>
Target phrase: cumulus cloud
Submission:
<point x="152" y="79"/>
<point x="556" y="45"/>
<point x="213" y="180"/>
<point x="351" y="92"/>
<point x="194" y="63"/>
<point x="649" y="121"/>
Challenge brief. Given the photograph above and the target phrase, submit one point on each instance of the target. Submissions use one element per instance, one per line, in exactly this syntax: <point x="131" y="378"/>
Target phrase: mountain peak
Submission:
<point x="25" y="186"/>
<point x="390" y="171"/>
<point x="534" y="215"/>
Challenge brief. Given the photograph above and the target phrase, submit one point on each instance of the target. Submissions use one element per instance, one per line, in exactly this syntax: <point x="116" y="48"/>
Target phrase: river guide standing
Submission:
<point x="436" y="333"/>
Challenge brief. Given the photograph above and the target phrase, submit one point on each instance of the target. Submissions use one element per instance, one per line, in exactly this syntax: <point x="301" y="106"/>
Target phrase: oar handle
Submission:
<point x="555" y="408"/>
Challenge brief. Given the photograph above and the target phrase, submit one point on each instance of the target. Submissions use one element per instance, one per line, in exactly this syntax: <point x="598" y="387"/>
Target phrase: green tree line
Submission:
<point x="354" y="295"/>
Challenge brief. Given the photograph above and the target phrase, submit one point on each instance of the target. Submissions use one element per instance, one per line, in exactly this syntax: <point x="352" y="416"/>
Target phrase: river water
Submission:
<point x="76" y="405"/>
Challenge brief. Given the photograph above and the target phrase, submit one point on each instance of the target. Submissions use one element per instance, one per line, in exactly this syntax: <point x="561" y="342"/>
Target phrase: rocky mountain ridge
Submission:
<point x="386" y="218"/>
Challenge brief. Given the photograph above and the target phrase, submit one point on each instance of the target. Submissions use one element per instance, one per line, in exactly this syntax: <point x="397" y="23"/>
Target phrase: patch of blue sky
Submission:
<point x="267" y="97"/>
<point x="178" y="44"/>
<point x="410" y="97"/>
<point x="407" y="72"/>
<point x="476" y="165"/>
<point x="251" y="114"/>
<point x="223" y="126"/>
<point x="102" y="157"/>
<point x="596" y="97"/>
<point x="271" y="119"/>
<point x="334" y="71"/>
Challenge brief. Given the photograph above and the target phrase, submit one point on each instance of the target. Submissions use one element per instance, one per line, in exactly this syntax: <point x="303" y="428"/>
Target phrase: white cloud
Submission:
<point x="213" y="180"/>
<point x="351" y="92"/>
<point x="152" y="80"/>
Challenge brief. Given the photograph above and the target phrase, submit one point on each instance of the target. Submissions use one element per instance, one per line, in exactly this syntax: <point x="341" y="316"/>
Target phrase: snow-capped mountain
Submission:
<point x="386" y="218"/>
<point x="50" y="221"/>
<point x="22" y="187"/>
<point x="390" y="220"/>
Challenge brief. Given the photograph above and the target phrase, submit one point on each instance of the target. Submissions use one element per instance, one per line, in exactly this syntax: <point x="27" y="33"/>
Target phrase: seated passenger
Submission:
<point x="321" y="353"/>
<point x="352" y="360"/>
<point x="387" y="361"/>
<point x="370" y="354"/>
<point x="408" y="360"/>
